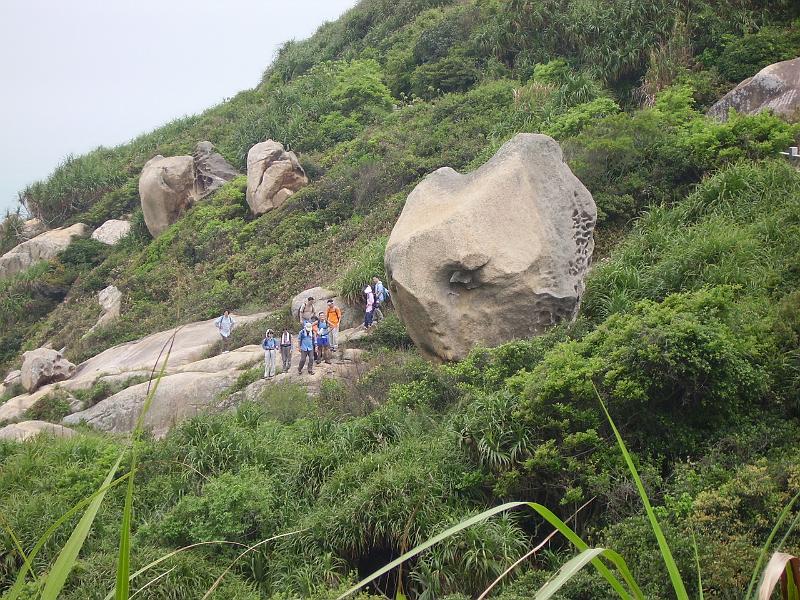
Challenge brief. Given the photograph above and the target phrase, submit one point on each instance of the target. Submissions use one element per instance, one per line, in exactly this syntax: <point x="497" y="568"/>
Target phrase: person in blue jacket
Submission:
<point x="323" y="345"/>
<point x="270" y="346"/>
<point x="306" y="344"/>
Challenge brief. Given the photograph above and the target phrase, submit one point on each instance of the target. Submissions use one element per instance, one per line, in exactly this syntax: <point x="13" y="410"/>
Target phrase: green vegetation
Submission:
<point x="690" y="327"/>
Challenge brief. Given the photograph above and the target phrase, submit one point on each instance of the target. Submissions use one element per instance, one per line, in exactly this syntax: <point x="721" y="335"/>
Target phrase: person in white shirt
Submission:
<point x="225" y="325"/>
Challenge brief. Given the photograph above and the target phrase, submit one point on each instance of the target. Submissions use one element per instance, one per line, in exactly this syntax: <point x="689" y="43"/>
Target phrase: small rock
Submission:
<point x="112" y="231"/>
<point x="28" y="429"/>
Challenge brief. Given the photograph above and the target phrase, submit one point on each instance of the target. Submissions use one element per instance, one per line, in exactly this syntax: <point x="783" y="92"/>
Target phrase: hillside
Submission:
<point x="689" y="330"/>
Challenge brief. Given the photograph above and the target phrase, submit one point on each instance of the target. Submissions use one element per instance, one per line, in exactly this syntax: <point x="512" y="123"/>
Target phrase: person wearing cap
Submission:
<point x="306" y="312"/>
<point x="286" y="350"/>
<point x="323" y="345"/>
<point x="306" y="344"/>
<point x="334" y="316"/>
<point x="370" y="299"/>
<point x="270" y="346"/>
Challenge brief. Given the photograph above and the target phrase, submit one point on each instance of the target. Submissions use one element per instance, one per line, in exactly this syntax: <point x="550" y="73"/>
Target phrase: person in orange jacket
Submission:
<point x="334" y="317"/>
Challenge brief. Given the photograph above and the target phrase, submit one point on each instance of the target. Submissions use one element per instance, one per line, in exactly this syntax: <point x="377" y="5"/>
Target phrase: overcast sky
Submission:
<point x="77" y="74"/>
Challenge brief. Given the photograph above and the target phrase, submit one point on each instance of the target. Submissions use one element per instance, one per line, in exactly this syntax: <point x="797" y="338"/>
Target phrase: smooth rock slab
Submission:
<point x="179" y="397"/>
<point x="28" y="429"/>
<point x="351" y="315"/>
<point x="494" y="255"/>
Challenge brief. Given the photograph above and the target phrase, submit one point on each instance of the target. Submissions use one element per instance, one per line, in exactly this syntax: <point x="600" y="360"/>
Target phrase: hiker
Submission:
<point x="334" y="316"/>
<point x="370" y="298"/>
<point x="286" y="350"/>
<point x="381" y="296"/>
<point x="306" y="312"/>
<point x="314" y="328"/>
<point x="270" y="346"/>
<point x="225" y="325"/>
<point x="323" y="345"/>
<point x="306" y="344"/>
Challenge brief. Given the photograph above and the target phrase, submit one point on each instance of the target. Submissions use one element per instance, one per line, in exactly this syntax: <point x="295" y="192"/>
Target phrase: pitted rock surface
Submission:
<point x="493" y="255"/>
<point x="43" y="366"/>
<point x="775" y="88"/>
<point x="273" y="174"/>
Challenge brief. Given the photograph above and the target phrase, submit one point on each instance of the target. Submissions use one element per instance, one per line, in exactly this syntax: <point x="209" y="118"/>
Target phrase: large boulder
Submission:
<point x="168" y="186"/>
<point x="177" y="398"/>
<point x="494" y="255"/>
<point x="32" y="227"/>
<point x="166" y="189"/>
<point x="112" y="231"/>
<point x="42" y="366"/>
<point x="775" y="88"/>
<point x="20" y="432"/>
<point x="273" y="174"/>
<point x="351" y="315"/>
<point x="213" y="171"/>
<point x="42" y="247"/>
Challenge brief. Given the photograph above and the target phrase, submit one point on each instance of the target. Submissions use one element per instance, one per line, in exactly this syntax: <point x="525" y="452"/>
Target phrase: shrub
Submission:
<point x="53" y="407"/>
<point x="367" y="264"/>
<point x="744" y="56"/>
<point x="286" y="402"/>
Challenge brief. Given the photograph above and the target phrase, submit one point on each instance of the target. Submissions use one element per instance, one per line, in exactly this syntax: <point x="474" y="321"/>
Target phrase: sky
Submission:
<point x="77" y="74"/>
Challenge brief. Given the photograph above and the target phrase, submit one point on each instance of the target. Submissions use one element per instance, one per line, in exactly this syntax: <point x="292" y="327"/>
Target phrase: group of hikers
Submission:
<point x="319" y="331"/>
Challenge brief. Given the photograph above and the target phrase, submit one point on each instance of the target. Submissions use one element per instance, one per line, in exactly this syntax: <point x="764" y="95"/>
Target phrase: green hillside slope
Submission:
<point x="690" y="328"/>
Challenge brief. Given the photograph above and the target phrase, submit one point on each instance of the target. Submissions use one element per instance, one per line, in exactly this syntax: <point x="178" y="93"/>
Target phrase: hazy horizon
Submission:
<point x="91" y="73"/>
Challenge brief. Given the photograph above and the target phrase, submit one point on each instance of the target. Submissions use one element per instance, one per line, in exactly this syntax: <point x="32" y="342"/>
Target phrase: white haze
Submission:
<point x="77" y="74"/>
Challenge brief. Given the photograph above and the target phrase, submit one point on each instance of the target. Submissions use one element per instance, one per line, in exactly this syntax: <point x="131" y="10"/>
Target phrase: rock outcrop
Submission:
<point x="494" y="255"/>
<point x="166" y="188"/>
<point x="42" y="247"/>
<point x="213" y="171"/>
<point x="110" y="300"/>
<point x="273" y="174"/>
<point x="177" y="398"/>
<point x="170" y="185"/>
<point x="32" y="227"/>
<point x="351" y="315"/>
<point x="20" y="432"/>
<point x="43" y="366"/>
<point x="112" y="231"/>
<point x="775" y="88"/>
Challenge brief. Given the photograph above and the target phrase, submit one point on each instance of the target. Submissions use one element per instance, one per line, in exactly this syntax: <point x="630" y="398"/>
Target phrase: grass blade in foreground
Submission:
<point x="780" y="565"/>
<point x="124" y="556"/>
<point x="757" y="569"/>
<point x="69" y="553"/>
<point x="567" y="571"/>
<point x="15" y="590"/>
<point x="666" y="553"/>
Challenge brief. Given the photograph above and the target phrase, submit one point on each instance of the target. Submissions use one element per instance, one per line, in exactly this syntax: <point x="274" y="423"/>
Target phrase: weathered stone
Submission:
<point x="351" y="315"/>
<point x="28" y="429"/>
<point x="112" y="231"/>
<point x="166" y="189"/>
<point x="42" y="366"/>
<point x="192" y="342"/>
<point x="12" y="378"/>
<point x="775" y="88"/>
<point x="43" y="247"/>
<point x="494" y="255"/>
<point x="212" y="170"/>
<point x="32" y="227"/>
<point x="273" y="174"/>
<point x="177" y="398"/>
<point x="110" y="300"/>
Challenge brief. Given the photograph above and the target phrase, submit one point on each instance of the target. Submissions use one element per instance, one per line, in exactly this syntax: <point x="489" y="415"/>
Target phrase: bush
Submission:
<point x="744" y="56"/>
<point x="53" y="407"/>
<point x="367" y="264"/>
